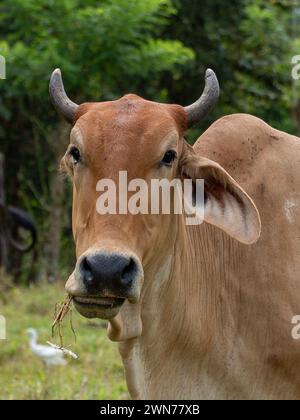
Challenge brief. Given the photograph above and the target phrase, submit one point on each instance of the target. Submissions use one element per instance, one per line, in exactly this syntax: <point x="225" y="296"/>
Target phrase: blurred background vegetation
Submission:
<point x="97" y="374"/>
<point x="158" y="49"/>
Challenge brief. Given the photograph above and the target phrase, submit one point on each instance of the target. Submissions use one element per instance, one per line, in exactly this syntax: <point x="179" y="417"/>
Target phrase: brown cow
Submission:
<point x="197" y="313"/>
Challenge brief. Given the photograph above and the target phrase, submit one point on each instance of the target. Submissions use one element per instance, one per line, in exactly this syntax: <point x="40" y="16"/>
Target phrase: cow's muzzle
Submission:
<point x="103" y="281"/>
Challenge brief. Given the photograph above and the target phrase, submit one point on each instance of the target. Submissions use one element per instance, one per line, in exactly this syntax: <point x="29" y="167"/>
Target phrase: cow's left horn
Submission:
<point x="59" y="97"/>
<point x="201" y="108"/>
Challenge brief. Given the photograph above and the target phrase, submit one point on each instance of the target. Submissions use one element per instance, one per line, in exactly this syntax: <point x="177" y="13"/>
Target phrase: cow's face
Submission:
<point x="144" y="140"/>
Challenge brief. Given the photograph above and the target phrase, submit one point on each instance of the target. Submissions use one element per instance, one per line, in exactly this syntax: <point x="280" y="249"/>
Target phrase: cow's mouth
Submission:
<point x="98" y="307"/>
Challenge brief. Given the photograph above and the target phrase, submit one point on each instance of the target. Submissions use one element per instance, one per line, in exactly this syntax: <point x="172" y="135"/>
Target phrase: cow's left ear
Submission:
<point x="227" y="205"/>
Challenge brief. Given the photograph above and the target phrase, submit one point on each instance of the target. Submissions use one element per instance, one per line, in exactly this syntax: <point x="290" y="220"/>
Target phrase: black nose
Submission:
<point x="111" y="274"/>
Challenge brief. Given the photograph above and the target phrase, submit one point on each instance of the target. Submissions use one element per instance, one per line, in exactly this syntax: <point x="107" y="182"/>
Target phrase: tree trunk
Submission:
<point x="3" y="239"/>
<point x="53" y="238"/>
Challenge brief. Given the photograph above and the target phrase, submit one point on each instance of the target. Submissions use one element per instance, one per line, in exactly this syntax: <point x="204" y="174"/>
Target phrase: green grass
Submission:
<point x="98" y="374"/>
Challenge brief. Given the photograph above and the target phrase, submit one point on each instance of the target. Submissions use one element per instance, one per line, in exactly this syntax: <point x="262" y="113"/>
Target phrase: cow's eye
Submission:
<point x="169" y="158"/>
<point x="75" y="153"/>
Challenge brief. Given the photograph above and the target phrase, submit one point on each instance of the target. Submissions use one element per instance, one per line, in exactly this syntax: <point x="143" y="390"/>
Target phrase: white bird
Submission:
<point x="49" y="355"/>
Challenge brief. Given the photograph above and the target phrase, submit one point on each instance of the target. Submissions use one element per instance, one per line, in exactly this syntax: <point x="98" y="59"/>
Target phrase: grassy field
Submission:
<point x="98" y="374"/>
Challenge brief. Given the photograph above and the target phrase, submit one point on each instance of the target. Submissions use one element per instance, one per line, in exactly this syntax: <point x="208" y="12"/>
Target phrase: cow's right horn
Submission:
<point x="59" y="97"/>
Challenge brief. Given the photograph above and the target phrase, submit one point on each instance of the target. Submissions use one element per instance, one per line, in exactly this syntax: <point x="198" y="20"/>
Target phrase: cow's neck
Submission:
<point x="184" y="296"/>
<point x="189" y="287"/>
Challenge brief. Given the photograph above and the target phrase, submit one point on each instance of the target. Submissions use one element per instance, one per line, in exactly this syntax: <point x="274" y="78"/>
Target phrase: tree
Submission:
<point x="249" y="45"/>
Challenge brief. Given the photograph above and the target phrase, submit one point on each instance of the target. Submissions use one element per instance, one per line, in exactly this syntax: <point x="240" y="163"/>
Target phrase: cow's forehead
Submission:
<point x="130" y="119"/>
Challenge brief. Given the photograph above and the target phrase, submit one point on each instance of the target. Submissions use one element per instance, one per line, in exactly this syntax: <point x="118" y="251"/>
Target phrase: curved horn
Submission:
<point x="20" y="219"/>
<point x="200" y="109"/>
<point x="59" y="97"/>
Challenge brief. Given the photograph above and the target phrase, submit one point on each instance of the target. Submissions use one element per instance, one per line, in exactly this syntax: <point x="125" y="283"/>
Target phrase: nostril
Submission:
<point x="86" y="270"/>
<point x="129" y="272"/>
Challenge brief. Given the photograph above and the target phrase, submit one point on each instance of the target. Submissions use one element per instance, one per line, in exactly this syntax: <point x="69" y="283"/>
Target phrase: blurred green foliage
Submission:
<point x="249" y="43"/>
<point x="156" y="48"/>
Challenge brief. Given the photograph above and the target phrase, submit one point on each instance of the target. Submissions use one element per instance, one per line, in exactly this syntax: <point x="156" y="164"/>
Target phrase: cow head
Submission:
<point x="146" y="140"/>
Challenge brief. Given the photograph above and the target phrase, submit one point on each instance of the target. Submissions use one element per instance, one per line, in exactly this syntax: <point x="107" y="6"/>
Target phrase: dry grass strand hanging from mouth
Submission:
<point x="61" y="311"/>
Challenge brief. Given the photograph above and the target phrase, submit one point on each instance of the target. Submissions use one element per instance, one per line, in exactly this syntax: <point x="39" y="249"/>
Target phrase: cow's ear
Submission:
<point x="227" y="205"/>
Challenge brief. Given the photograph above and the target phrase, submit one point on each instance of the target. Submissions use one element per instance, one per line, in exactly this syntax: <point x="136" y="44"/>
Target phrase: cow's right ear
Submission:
<point x="227" y="205"/>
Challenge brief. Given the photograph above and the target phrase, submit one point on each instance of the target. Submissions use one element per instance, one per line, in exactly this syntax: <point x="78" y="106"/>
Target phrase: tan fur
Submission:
<point x="214" y="317"/>
<point x="221" y="326"/>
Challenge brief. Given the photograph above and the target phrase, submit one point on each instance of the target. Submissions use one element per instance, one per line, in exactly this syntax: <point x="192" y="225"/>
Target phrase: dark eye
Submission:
<point x="169" y="158"/>
<point x="74" y="152"/>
